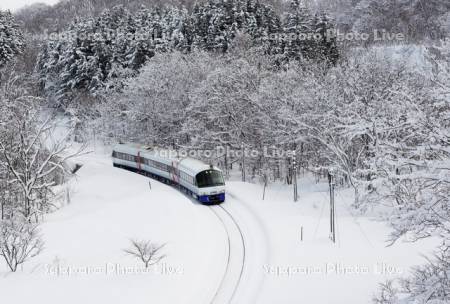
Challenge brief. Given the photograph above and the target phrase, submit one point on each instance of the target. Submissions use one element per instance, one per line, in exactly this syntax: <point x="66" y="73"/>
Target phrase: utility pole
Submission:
<point x="265" y="186"/>
<point x="332" y="206"/>
<point x="243" y="161"/>
<point x="2" y="202"/>
<point x="294" y="175"/>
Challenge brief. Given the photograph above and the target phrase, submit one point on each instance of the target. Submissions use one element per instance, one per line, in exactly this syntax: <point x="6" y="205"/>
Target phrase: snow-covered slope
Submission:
<point x="110" y="206"/>
<point x="315" y="270"/>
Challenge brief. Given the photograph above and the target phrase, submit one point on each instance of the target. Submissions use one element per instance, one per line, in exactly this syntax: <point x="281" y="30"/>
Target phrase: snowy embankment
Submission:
<point x="86" y="238"/>
<point x="84" y="262"/>
<point x="314" y="270"/>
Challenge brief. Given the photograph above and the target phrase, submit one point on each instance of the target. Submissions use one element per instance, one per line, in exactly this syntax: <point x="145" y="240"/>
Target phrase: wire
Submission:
<point x="358" y="224"/>
<point x="336" y="219"/>
<point x="320" y="218"/>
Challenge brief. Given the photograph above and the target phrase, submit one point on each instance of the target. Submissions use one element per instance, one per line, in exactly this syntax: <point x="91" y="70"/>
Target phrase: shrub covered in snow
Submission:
<point x="19" y="241"/>
<point x="147" y="252"/>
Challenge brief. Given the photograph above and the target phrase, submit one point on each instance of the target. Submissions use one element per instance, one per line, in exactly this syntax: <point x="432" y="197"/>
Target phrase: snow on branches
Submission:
<point x="32" y="160"/>
<point x="19" y="241"/>
<point x="11" y="38"/>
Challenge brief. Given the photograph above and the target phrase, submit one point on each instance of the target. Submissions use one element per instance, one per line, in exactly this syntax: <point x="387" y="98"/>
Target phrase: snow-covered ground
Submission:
<point x="84" y="261"/>
<point x="108" y="207"/>
<point x="315" y="270"/>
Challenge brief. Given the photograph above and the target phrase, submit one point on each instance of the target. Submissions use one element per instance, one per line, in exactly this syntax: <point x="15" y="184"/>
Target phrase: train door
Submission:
<point x="139" y="162"/>
<point x="175" y="173"/>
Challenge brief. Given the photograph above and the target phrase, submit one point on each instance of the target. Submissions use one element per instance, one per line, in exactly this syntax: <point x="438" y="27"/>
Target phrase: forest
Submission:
<point x="238" y="74"/>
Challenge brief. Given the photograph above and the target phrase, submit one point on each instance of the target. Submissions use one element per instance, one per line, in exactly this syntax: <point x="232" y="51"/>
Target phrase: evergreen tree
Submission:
<point x="326" y="46"/>
<point x="102" y="48"/>
<point x="307" y="36"/>
<point x="298" y="30"/>
<point x="117" y="42"/>
<point x="218" y="22"/>
<point x="11" y="38"/>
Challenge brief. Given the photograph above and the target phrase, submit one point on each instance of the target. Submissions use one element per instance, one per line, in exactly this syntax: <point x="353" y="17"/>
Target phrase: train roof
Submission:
<point x="194" y="165"/>
<point x="132" y="148"/>
<point x="189" y="165"/>
<point x="162" y="155"/>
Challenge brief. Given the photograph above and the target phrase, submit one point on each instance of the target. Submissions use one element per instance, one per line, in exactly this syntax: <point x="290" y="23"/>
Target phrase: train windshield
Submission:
<point x="210" y="178"/>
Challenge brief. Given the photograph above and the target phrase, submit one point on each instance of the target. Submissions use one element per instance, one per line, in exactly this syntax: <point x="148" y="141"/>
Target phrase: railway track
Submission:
<point x="229" y="285"/>
<point x="236" y="253"/>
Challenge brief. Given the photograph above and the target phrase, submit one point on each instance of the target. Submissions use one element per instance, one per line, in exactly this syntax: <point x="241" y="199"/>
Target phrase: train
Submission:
<point x="202" y="181"/>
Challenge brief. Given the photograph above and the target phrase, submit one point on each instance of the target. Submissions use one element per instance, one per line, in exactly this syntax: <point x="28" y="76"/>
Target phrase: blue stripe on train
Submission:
<point x="212" y="198"/>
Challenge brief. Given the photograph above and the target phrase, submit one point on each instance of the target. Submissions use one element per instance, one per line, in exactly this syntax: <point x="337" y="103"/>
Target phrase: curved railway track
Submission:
<point x="229" y="285"/>
<point x="236" y="255"/>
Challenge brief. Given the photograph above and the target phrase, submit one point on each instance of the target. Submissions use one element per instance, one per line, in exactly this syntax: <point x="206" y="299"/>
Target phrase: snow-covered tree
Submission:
<point x="152" y="106"/>
<point x="99" y="50"/>
<point x="227" y="111"/>
<point x="19" y="241"/>
<point x="216" y="23"/>
<point x="145" y="251"/>
<point x="305" y="36"/>
<point x="417" y="183"/>
<point x="416" y="19"/>
<point x="32" y="161"/>
<point x="298" y="27"/>
<point x="429" y="283"/>
<point x="11" y="38"/>
<point x="325" y="47"/>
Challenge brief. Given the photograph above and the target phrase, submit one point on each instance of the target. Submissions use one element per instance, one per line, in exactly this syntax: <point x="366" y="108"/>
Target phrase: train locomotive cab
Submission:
<point x="202" y="181"/>
<point x="211" y="185"/>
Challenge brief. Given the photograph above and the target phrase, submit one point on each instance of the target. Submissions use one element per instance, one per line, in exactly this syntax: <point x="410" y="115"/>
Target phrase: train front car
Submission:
<point x="198" y="179"/>
<point x="211" y="186"/>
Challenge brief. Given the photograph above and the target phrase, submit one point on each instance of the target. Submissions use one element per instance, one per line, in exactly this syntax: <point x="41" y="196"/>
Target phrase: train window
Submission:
<point x="127" y="157"/>
<point x="160" y="166"/>
<point x="210" y="178"/>
<point x="186" y="177"/>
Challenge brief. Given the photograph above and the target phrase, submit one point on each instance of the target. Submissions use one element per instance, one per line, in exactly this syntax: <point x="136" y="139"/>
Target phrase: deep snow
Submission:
<point x="109" y="206"/>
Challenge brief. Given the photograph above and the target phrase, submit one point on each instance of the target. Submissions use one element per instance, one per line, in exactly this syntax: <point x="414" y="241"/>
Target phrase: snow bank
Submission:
<point x="315" y="270"/>
<point x="84" y="262"/>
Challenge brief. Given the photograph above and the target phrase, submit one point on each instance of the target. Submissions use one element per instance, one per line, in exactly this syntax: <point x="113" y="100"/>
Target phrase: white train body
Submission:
<point x="203" y="181"/>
